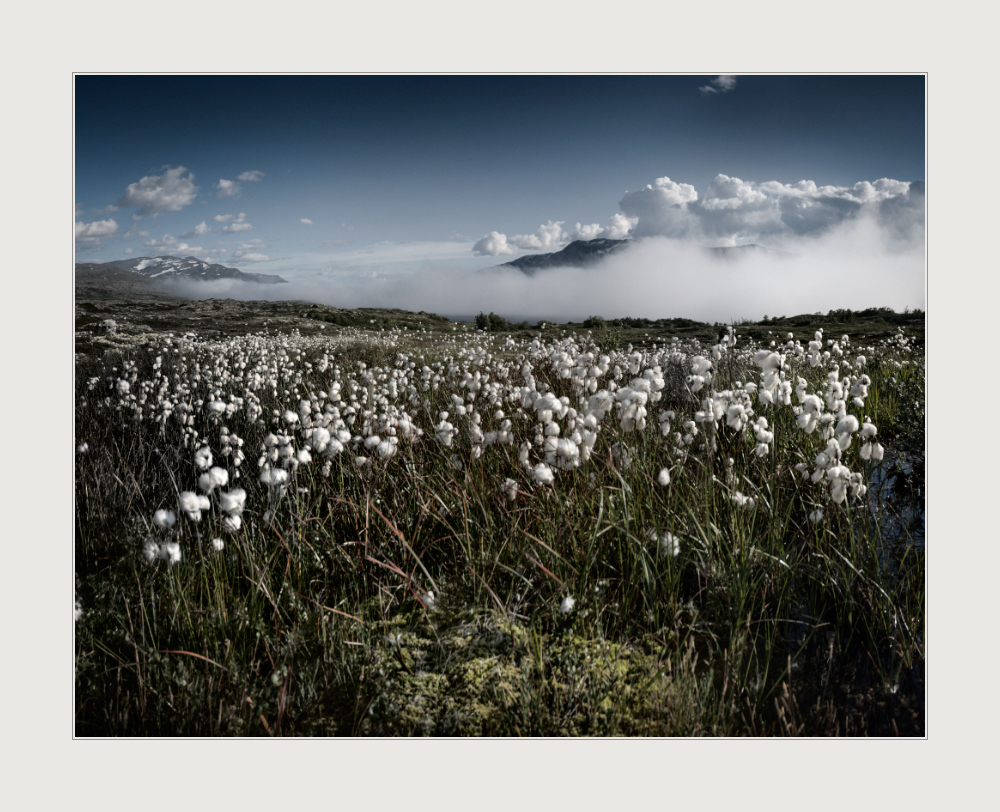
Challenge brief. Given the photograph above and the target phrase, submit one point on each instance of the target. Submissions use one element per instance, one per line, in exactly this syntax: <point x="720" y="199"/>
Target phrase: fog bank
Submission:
<point x="855" y="266"/>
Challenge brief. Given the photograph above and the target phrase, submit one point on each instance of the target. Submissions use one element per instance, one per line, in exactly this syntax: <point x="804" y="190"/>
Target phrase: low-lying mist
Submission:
<point x="854" y="267"/>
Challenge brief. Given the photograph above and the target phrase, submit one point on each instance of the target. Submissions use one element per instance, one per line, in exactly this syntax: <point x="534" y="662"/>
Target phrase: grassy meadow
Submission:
<point x="383" y="524"/>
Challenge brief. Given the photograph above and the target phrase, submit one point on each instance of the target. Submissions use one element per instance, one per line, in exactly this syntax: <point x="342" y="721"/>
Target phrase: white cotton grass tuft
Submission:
<point x="164" y="519"/>
<point x="218" y="545"/>
<point x="567" y="604"/>
<point x="664" y="477"/>
<point x="233" y="502"/>
<point x="83" y="448"/>
<point x="215" y="478"/>
<point x="203" y="458"/>
<point x="510" y="489"/>
<point x="542" y="474"/>
<point x="669" y="544"/>
<point x="191" y="505"/>
<point x="275" y="478"/>
<point x="169" y="552"/>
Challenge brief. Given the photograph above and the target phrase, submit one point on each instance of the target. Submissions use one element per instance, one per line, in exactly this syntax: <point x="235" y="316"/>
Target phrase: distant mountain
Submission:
<point x="578" y="253"/>
<point x="167" y="268"/>
<point x="581" y="253"/>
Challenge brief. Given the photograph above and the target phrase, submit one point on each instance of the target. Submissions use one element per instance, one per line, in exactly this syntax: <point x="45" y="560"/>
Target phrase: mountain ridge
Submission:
<point x="577" y="253"/>
<point x="581" y="253"/>
<point x="171" y="267"/>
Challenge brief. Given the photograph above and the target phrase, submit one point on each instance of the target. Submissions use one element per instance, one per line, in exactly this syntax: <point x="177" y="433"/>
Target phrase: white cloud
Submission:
<point x="92" y="232"/>
<point x="306" y="220"/>
<point x="549" y="237"/>
<point x="249" y="255"/>
<point x="128" y="250"/>
<point x="171" y="244"/>
<point x="223" y="218"/>
<point x="618" y="227"/>
<point x="493" y="244"/>
<point x="107" y="209"/>
<point x="252" y="176"/>
<point x="158" y="193"/>
<point x="166" y="241"/>
<point x="722" y="84"/>
<point x="239" y="224"/>
<point x="590" y="232"/>
<point x="200" y="229"/>
<point x="733" y="211"/>
<point x="661" y="208"/>
<point x="227" y="188"/>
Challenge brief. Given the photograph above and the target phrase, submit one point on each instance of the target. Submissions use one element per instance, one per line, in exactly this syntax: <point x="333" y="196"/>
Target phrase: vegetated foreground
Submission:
<point x="426" y="529"/>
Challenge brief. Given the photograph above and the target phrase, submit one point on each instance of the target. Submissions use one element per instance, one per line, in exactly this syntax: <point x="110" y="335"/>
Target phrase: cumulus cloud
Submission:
<point x="197" y="231"/>
<point x="618" y="227"/>
<point x="238" y="224"/>
<point x="733" y="211"/>
<point x="249" y="254"/>
<point x="158" y="193"/>
<point x="721" y="84"/>
<point x="590" y="232"/>
<point x="306" y="221"/>
<point x="227" y="188"/>
<point x="92" y="232"/>
<point x="493" y="244"/>
<point x="251" y="176"/>
<point x="549" y="237"/>
<point x="170" y="243"/>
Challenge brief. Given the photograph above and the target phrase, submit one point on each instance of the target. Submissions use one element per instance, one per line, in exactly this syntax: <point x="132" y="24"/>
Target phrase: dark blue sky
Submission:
<point x="383" y="160"/>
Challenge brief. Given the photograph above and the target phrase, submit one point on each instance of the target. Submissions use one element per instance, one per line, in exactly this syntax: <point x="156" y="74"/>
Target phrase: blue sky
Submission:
<point x="397" y="171"/>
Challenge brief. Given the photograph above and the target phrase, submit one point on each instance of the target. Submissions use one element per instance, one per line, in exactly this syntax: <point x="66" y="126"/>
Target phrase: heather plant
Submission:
<point x="450" y="531"/>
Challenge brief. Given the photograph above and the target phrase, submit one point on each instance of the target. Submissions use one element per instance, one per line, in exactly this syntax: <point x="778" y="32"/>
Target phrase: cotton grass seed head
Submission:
<point x="164" y="519"/>
<point x="203" y="458"/>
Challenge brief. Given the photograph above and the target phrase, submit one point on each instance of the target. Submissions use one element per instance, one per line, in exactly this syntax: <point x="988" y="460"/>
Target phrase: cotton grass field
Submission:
<point x="436" y="530"/>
